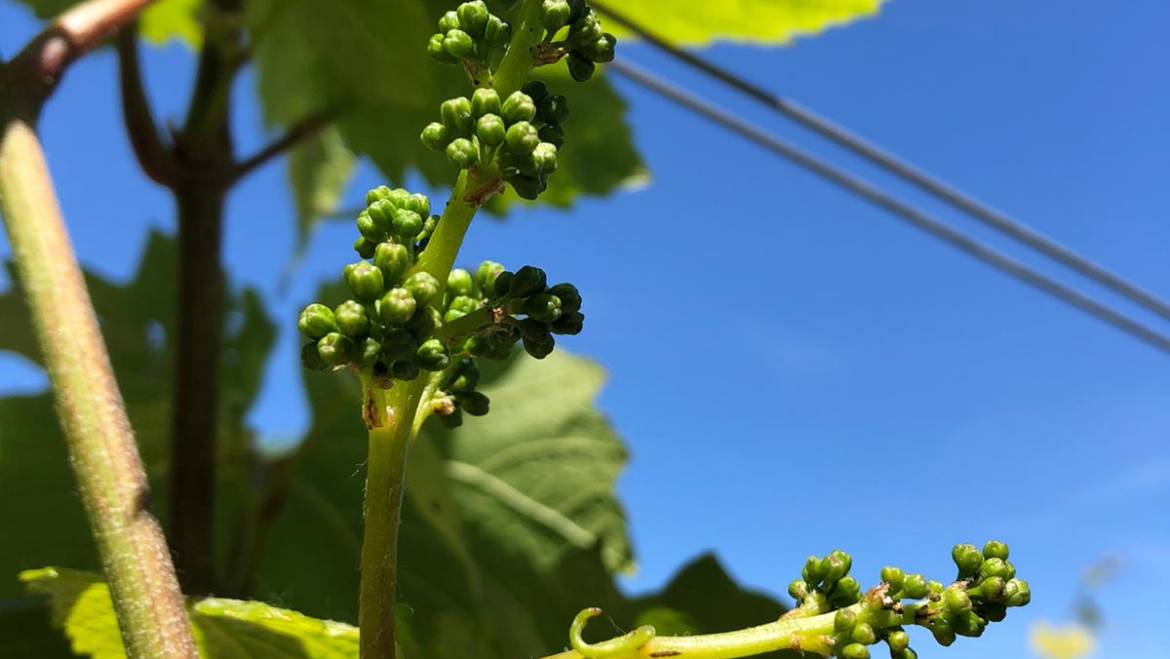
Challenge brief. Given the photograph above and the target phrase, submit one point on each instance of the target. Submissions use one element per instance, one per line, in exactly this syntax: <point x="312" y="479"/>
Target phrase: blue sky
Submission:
<point x="864" y="368"/>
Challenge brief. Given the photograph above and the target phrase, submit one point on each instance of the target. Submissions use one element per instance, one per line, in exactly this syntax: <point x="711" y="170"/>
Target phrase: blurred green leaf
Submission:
<point x="318" y="170"/>
<point x="27" y="633"/>
<point x="137" y="321"/>
<point x="172" y="19"/>
<point x="224" y="628"/>
<point x="699" y="22"/>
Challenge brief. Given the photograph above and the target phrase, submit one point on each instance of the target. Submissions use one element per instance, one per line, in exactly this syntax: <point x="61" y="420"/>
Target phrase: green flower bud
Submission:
<point x="485" y="277"/>
<point x="536" y="90"/>
<point x="553" y="134"/>
<point x="405" y="369"/>
<point x="369" y="228"/>
<point x="904" y="654"/>
<point x="585" y="30"/>
<point x="864" y="634"/>
<point x="554" y="14"/>
<point x="407" y="224"/>
<point x="528" y="281"/>
<point x="497" y="31"/>
<point x="600" y="50"/>
<point x="435" y="136"/>
<point x="428" y="229"/>
<point x="992" y="588"/>
<point x="374" y="194"/>
<point x="364" y="281"/>
<point x="956" y="600"/>
<point x="544" y="158"/>
<point x="855" y="651"/>
<point x="813" y="571"/>
<point x="449" y="21"/>
<point x="459" y="44"/>
<point x="351" y="319"/>
<point x="518" y="107"/>
<point x="460" y="282"/>
<point x="382" y="213"/>
<point x="311" y="358"/>
<point x="1022" y="595"/>
<point x="455" y="114"/>
<point x="528" y="187"/>
<point x="936" y="588"/>
<point x="543" y="307"/>
<point x="419" y="203"/>
<point x="475" y="403"/>
<point x="473" y="17"/>
<point x="892" y="576"/>
<point x="553" y="109"/>
<point x="335" y="348"/>
<point x="994" y="567"/>
<point x="944" y="634"/>
<point x="364" y="248"/>
<point x="898" y="641"/>
<point x="424" y="287"/>
<point x="521" y="138"/>
<point x="393" y="260"/>
<point x="915" y="586"/>
<point x="798" y="590"/>
<point x="316" y="321"/>
<point x="462" y="153"/>
<point x="467" y="381"/>
<point x="569" y="323"/>
<point x="438" y="52"/>
<point x="580" y="68"/>
<point x="968" y="559"/>
<point x="995" y="549"/>
<point x="460" y="306"/>
<point x="968" y="623"/>
<point x="490" y="130"/>
<point x="485" y="101"/>
<point x="844" y="620"/>
<point x="432" y="355"/>
<point x="397" y="306"/>
<point x="846" y="591"/>
<point x="370" y="352"/>
<point x="837" y="565"/>
<point x="425" y="323"/>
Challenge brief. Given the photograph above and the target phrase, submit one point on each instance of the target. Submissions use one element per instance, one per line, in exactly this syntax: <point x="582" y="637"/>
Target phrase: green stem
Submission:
<point x="517" y="63"/>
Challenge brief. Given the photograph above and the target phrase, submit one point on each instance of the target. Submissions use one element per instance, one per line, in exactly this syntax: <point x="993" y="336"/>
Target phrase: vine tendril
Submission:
<point x="623" y="645"/>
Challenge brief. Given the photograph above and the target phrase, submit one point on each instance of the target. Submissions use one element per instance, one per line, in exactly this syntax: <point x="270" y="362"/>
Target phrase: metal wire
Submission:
<point x="878" y="197"/>
<point x="907" y="172"/>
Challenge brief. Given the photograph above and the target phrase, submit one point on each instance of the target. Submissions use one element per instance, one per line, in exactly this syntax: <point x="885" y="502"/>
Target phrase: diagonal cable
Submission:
<point x="891" y="163"/>
<point x="878" y="197"/>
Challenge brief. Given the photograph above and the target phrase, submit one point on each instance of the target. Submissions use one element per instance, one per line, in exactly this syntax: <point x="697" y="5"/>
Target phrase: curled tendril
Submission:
<point x="614" y="647"/>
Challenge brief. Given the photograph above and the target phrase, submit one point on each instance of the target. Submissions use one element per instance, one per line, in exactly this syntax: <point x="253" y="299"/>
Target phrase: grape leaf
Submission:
<point x="318" y="170"/>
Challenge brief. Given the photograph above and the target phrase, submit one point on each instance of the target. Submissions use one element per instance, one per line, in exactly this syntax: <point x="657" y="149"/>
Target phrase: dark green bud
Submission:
<point x="438" y="51"/>
<point x="502" y="284"/>
<point x="398" y="344"/>
<point x="798" y="590"/>
<point x="311" y="358"/>
<point x="585" y="30"/>
<point x="335" y="348"/>
<point x="453" y="420"/>
<point x="898" y="641"/>
<point x="405" y="369"/>
<point x="473" y="17"/>
<point x="462" y="153"/>
<point x="518" y="107"/>
<point x="449" y="21"/>
<point x="968" y="559"/>
<point x="553" y="134"/>
<point x="543" y="307"/>
<point x="538" y="341"/>
<point x="485" y="101"/>
<point x="892" y="576"/>
<point x="904" y="654"/>
<point x="553" y="109"/>
<point x="570" y="323"/>
<point x="455" y="114"/>
<point x="364" y="281"/>
<point x="813" y="571"/>
<point x="969" y="624"/>
<point x="528" y="281"/>
<point x="569" y="295"/>
<point x="864" y="634"/>
<point x="460" y="282"/>
<point x="855" y="651"/>
<point x="364" y="248"/>
<point x="467" y="380"/>
<point x="536" y="90"/>
<point x="369" y="228"/>
<point x="837" y="565"/>
<point x="601" y="50"/>
<point x="424" y="287"/>
<point x="393" y="260"/>
<point x="491" y="130"/>
<point x="497" y="31"/>
<point x="995" y="549"/>
<point x="956" y="600"/>
<point x="554" y="14"/>
<point x="539" y="349"/>
<point x="425" y="322"/>
<point x="995" y="567"/>
<point x="580" y="68"/>
<point x="370" y="352"/>
<point x="844" y="620"/>
<point x="316" y="321"/>
<point x="944" y="634"/>
<point x="521" y="138"/>
<point x="528" y="187"/>
<point x="351" y="319"/>
<point x="397" y="306"/>
<point x="407" y="224"/>
<point x="374" y="194"/>
<point x="459" y="44"/>
<point x="475" y="403"/>
<point x="435" y="136"/>
<point x="432" y="355"/>
<point x="485" y="277"/>
<point x="915" y="586"/>
<point x="993" y="612"/>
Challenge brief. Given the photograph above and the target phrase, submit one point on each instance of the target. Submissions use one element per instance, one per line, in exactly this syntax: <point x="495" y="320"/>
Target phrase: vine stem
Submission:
<point x="102" y="450"/>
